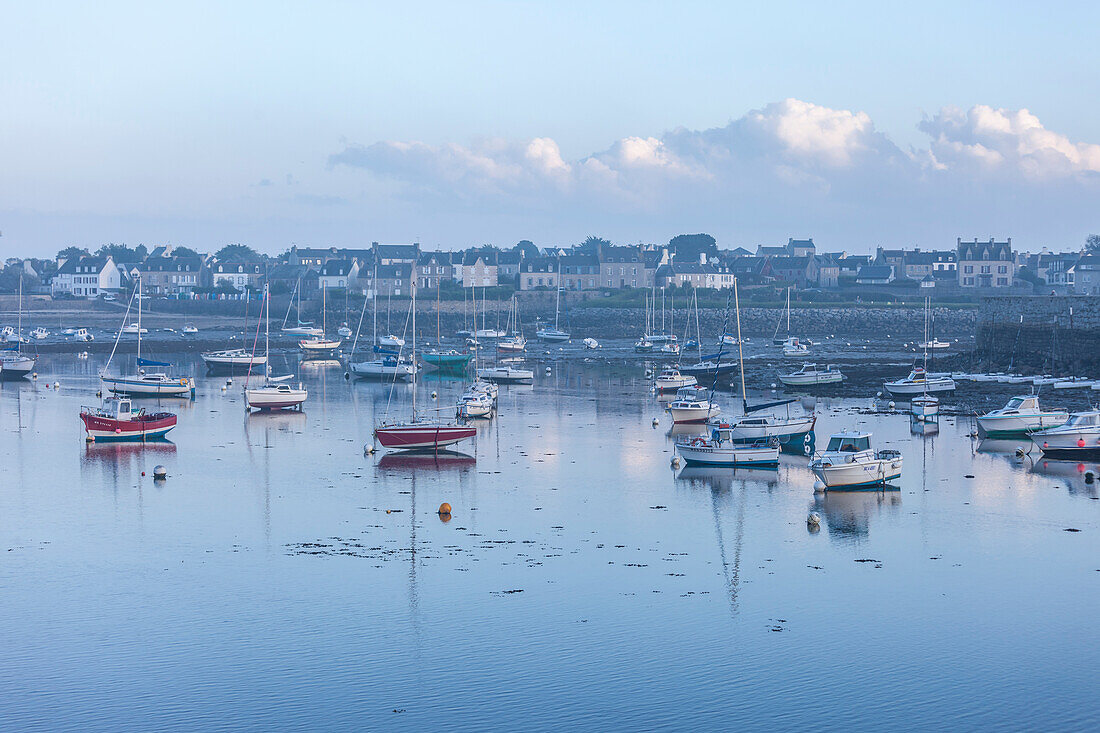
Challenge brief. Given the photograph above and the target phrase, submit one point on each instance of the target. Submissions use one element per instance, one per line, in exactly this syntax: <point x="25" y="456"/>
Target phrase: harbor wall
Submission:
<point x="1052" y="334"/>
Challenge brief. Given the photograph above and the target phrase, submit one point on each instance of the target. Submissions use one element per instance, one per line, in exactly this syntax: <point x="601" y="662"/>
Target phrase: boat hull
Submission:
<point x="269" y="399"/>
<point x="689" y="415"/>
<point x="142" y="428"/>
<point x="703" y="452"/>
<point x="16" y="368"/>
<point x="798" y="380"/>
<point x="1016" y="425"/>
<point x="422" y="437"/>
<point x="373" y="370"/>
<point x="233" y="364"/>
<point x="858" y="476"/>
<point x="136" y="387"/>
<point x="1076" y="444"/>
<point x="911" y="389"/>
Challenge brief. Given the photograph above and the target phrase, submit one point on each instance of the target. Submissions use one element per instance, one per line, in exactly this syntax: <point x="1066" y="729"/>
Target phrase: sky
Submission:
<point x="459" y="124"/>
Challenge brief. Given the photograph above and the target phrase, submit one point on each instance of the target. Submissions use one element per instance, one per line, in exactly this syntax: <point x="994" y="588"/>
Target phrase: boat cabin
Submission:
<point x="1029" y="404"/>
<point x="849" y="443"/>
<point x="1084" y="419"/>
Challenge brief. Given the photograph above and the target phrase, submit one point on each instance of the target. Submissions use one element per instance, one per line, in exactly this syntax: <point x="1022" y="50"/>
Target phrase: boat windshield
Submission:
<point x="1015" y="403"/>
<point x="845" y="444"/>
<point x="1083" y="420"/>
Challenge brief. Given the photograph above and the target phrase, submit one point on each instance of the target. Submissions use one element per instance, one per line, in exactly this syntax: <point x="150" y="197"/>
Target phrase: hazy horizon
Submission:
<point x="338" y="125"/>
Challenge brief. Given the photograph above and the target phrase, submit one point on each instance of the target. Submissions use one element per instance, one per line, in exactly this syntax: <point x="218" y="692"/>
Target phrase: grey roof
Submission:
<point x="875" y="272"/>
<point x="336" y="267"/>
<point x="171" y="264"/>
<point x="85" y="264"/>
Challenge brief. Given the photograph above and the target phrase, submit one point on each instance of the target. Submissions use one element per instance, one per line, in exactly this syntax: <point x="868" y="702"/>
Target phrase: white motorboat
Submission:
<point x="924" y="407"/>
<point x="39" y="333"/>
<point x="233" y="360"/>
<point x="7" y="333"/>
<point x="512" y="344"/>
<point x="344" y="331"/>
<point x="475" y="403"/>
<point x="390" y="341"/>
<point x="81" y="334"/>
<point x="988" y="377"/>
<point x="189" y="330"/>
<point x="692" y="407"/>
<point x="849" y="462"/>
<point x="810" y="375"/>
<point x="1020" y="416"/>
<point x="1078" y="438"/>
<point x="15" y="365"/>
<point x="671" y="380"/>
<point x="506" y="375"/>
<point x="1043" y="380"/>
<point x="489" y="334"/>
<point x="274" y="393"/>
<point x="389" y="367"/>
<point x="591" y="343"/>
<point x="319" y="348"/>
<point x="792" y="347"/>
<point x="919" y="382"/>
<point x="934" y="344"/>
<point x="134" y="328"/>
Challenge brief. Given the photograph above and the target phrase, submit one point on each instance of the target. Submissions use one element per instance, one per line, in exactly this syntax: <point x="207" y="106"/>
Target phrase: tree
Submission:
<point x="1092" y="244"/>
<point x="243" y="251"/>
<point x="593" y="245"/>
<point x="528" y="248"/>
<point x="184" y="252"/>
<point x="688" y="247"/>
<point x="122" y="253"/>
<point x="70" y="252"/>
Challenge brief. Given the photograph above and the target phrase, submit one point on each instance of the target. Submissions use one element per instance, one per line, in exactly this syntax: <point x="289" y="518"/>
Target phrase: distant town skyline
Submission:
<point x="339" y="124"/>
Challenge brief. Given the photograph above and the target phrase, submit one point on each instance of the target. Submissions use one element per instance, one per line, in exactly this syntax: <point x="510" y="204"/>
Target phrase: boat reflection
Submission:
<point x="719" y="478"/>
<point x="278" y="419"/>
<point x="1075" y="473"/>
<point x="924" y="427"/>
<point x="443" y="460"/>
<point x="121" y="458"/>
<point x="686" y="429"/>
<point x="316" y="365"/>
<point x="848" y="513"/>
<point x="1006" y="446"/>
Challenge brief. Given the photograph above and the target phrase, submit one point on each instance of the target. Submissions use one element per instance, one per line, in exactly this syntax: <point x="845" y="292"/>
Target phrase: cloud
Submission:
<point x="1001" y="141"/>
<point x="788" y="163"/>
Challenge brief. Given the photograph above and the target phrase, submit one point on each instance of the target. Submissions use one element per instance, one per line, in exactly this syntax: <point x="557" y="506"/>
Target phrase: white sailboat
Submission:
<point x="14" y="364"/>
<point x="302" y="327"/>
<point x="320" y="347"/>
<point x="388" y="366"/>
<point x="925" y="406"/>
<point x="144" y="384"/>
<point x="776" y="338"/>
<point x="232" y="361"/>
<point x="274" y="393"/>
<point x="555" y="334"/>
<point x="512" y="340"/>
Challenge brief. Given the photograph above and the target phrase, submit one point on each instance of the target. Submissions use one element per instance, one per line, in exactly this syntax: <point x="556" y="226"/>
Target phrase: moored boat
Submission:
<point x="116" y="420"/>
<point x="1020" y="416"/>
<point x="230" y="361"/>
<point x="849" y="463"/>
<point x="919" y="382"/>
<point x="793" y="347"/>
<point x="809" y="375"/>
<point x="1079" y="437"/>
<point x="671" y="380"/>
<point x="692" y="407"/>
<point x="506" y="375"/>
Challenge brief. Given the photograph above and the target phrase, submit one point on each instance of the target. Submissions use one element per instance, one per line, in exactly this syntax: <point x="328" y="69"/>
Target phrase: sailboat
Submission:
<point x="232" y="361"/>
<point x="274" y="393"/>
<point x="925" y="406"/>
<point x="418" y="434"/>
<point x="14" y="364"/>
<point x="479" y="399"/>
<point x="722" y="447"/>
<point x="776" y="338"/>
<point x="555" y="334"/>
<point x="303" y="328"/>
<point x="446" y="360"/>
<point x="320" y="347"/>
<point x="709" y="365"/>
<point x="513" y="340"/>
<point x="389" y="364"/>
<point x="145" y="384"/>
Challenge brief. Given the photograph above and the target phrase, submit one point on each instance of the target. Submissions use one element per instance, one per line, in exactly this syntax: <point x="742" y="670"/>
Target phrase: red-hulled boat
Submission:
<point x="422" y="435"/>
<point x="418" y="434"/>
<point x="116" y="420"/>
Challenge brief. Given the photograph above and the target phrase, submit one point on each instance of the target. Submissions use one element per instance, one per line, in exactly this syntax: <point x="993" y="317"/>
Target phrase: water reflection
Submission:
<point x="848" y="513"/>
<point x="1075" y="475"/>
<point x="439" y="461"/>
<point x="723" y="479"/>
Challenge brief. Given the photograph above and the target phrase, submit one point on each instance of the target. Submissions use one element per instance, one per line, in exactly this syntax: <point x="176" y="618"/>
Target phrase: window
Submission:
<point x="985" y="269"/>
<point x="968" y="269"/>
<point x="968" y="281"/>
<point x="1002" y="269"/>
<point x="1002" y="281"/>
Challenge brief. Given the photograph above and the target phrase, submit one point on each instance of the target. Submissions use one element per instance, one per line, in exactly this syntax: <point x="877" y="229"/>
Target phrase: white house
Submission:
<point x="86" y="277"/>
<point x="338" y="273"/>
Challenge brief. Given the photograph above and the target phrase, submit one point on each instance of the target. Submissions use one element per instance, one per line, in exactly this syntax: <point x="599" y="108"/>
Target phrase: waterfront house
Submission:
<point x="1085" y="275"/>
<point x="86" y="277"/>
<point x="622" y="267"/>
<point x="538" y="272"/>
<point x="238" y="272"/>
<point x="801" y="247"/>
<point x="171" y="275"/>
<point x="580" y="271"/>
<point x="338" y="273"/>
<point x="434" y="269"/>
<point x="875" y="275"/>
<point x="395" y="254"/>
<point x="477" y="268"/>
<point x="985" y="264"/>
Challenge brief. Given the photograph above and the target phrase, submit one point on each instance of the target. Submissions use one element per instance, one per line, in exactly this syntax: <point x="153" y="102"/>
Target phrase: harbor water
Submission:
<point x="283" y="577"/>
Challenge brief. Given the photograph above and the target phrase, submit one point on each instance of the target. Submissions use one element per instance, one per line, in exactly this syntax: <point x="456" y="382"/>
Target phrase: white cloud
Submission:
<point x="1006" y="141"/>
<point x="789" y="164"/>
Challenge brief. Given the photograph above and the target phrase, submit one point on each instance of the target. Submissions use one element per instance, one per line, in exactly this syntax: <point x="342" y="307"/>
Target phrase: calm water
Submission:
<point x="282" y="578"/>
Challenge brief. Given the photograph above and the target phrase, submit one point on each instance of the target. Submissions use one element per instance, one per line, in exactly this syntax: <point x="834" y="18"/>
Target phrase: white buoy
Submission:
<point x="434" y="395"/>
<point x="547" y="370"/>
<point x="819" y="486"/>
<point x="675" y="462"/>
<point x="160" y="472"/>
<point x="656" y="422"/>
<point x="891" y="405"/>
<point x="813" y="521"/>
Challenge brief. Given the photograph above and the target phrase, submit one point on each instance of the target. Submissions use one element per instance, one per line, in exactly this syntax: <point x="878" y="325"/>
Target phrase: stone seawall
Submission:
<point x="1049" y="334"/>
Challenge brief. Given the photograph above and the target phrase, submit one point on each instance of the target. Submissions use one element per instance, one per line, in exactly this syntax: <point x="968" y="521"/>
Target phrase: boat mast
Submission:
<point x="374" y="309"/>
<point x="788" y="311"/>
<point x="698" y="333"/>
<point x="414" y="346"/>
<point x="740" y="351"/>
<point x="267" y="334"/>
<point x="139" y="318"/>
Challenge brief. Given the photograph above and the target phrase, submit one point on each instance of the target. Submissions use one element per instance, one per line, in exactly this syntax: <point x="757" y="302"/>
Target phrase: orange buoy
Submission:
<point x="445" y="508"/>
